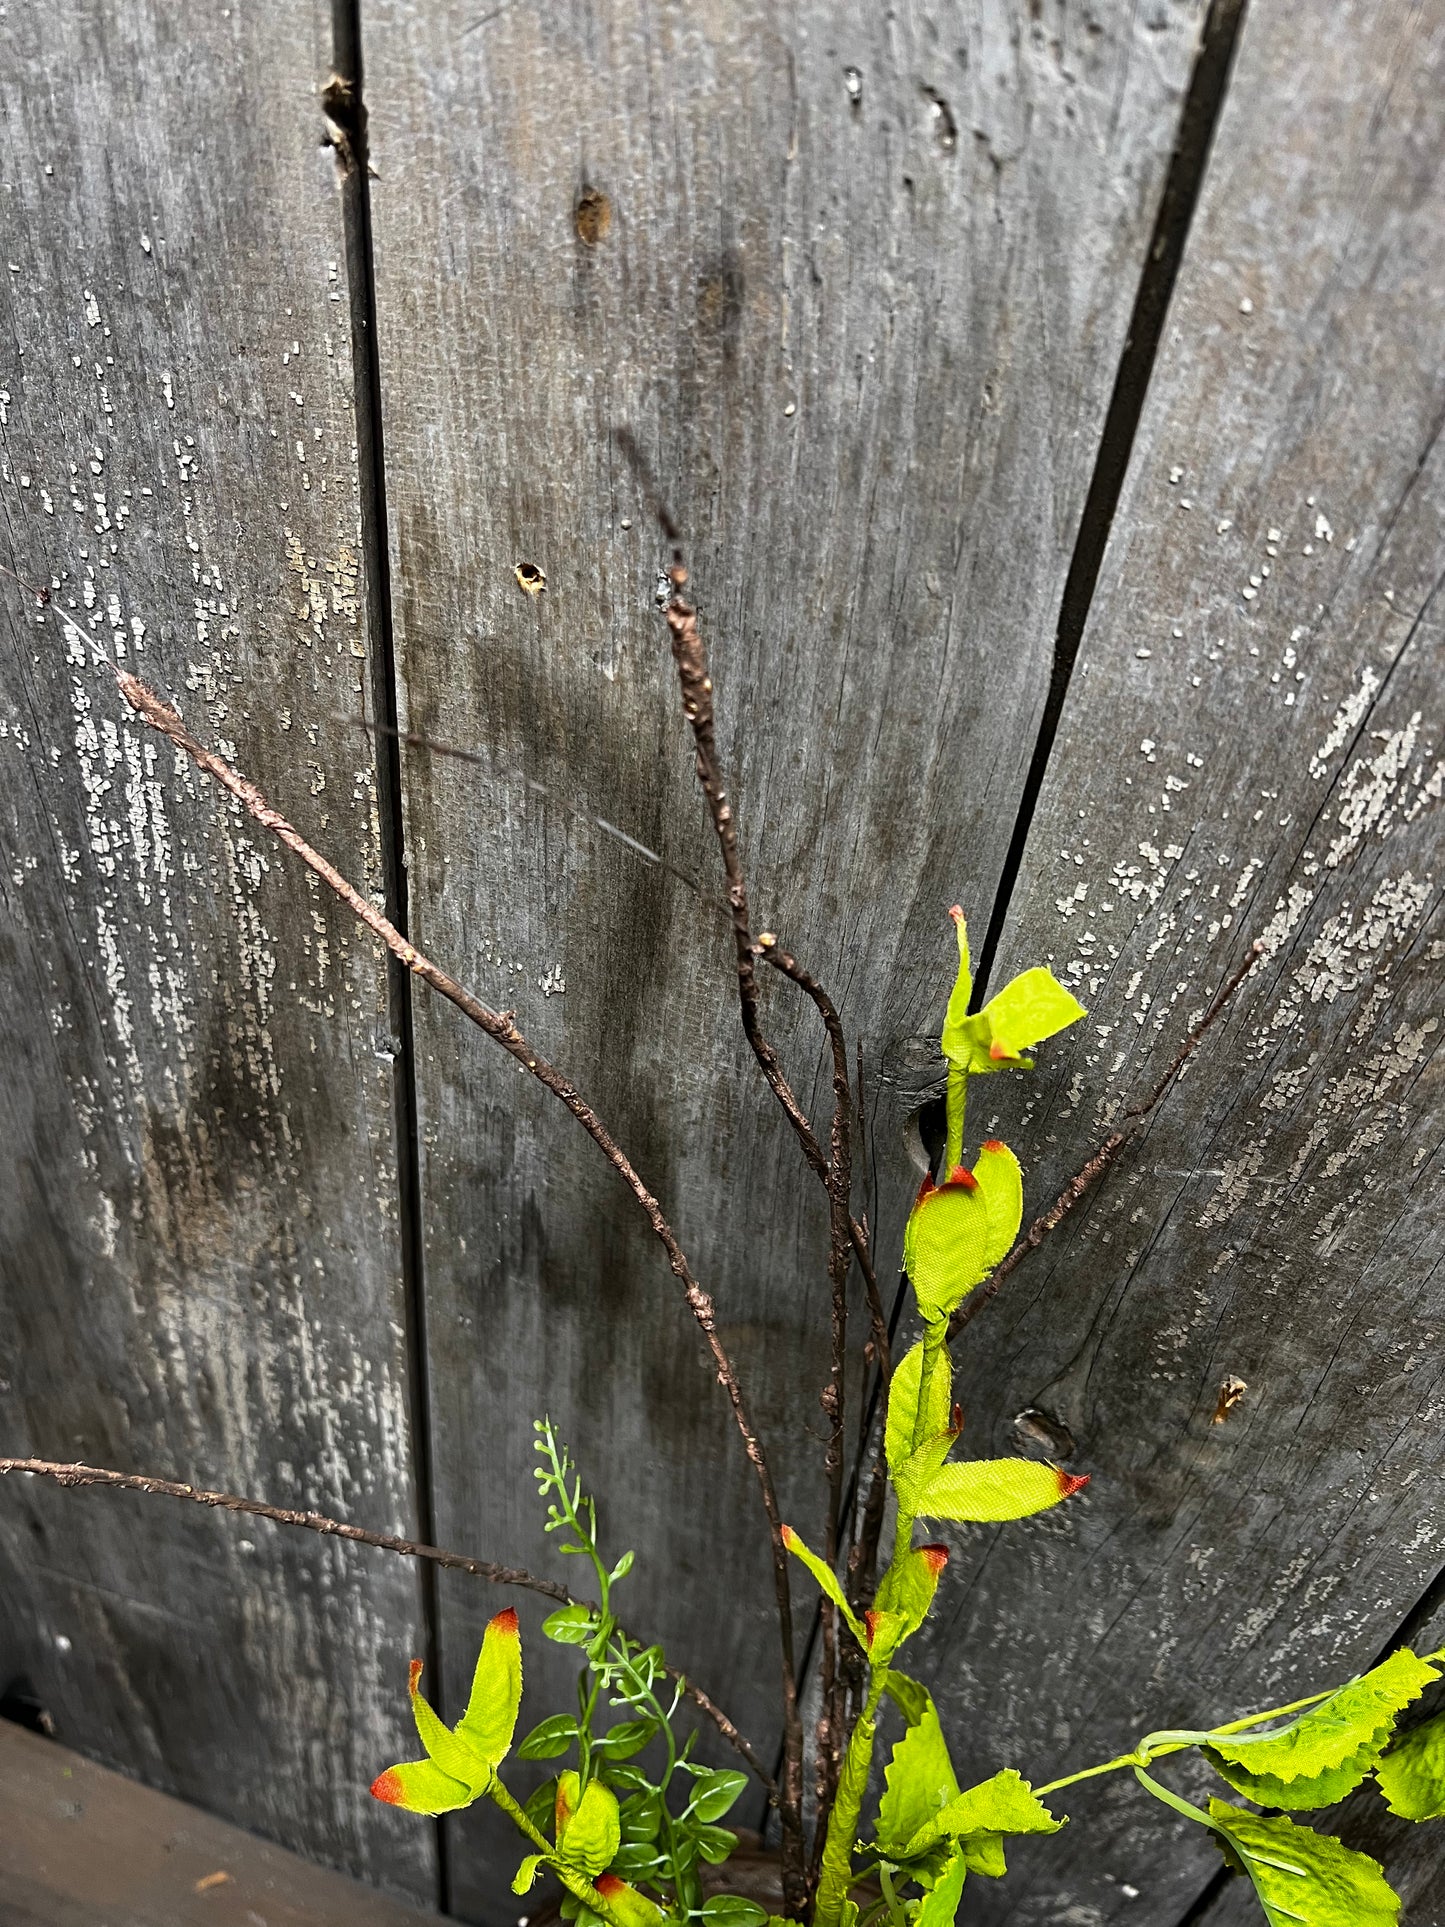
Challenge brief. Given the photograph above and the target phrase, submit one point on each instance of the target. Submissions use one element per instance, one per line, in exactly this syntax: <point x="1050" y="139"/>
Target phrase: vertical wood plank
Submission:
<point x="1251" y="746"/>
<point x="858" y="287"/>
<point x="198" y="1248"/>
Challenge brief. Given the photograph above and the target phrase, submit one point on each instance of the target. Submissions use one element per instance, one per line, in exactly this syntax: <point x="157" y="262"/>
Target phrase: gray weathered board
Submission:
<point x="858" y="284"/>
<point x="198" y="1246"/>
<point x="865" y="339"/>
<point x="1251" y="746"/>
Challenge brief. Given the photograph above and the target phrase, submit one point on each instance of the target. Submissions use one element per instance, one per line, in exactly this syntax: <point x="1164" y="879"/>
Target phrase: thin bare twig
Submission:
<point x="1091" y="1172"/>
<point x="832" y="1710"/>
<point x="80" y="1474"/>
<point x="500" y="1027"/>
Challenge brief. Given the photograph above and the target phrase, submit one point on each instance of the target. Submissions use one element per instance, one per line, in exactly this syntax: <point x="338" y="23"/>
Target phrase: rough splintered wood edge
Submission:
<point x="82" y="1844"/>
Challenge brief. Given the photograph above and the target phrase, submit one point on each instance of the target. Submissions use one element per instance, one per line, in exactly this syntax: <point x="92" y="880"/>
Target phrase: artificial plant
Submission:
<point x="627" y="1826"/>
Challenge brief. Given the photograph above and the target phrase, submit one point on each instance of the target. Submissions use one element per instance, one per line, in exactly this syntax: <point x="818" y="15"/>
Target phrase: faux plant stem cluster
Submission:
<point x="628" y="1855"/>
<point x="629" y="1822"/>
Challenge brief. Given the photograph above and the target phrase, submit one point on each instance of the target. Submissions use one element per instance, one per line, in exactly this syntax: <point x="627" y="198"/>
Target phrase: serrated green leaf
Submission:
<point x="490" y="1720"/>
<point x="552" y="1737"/>
<point x="997" y="1175"/>
<point x="1302" y="1878"/>
<point x="903" y="1413"/>
<point x="939" y="1906"/>
<point x="911" y="1699"/>
<point x="1004" y="1804"/>
<point x="731" y="1910"/>
<point x="918" y="1783"/>
<point x="570" y="1625"/>
<point x="1412" y="1773"/>
<point x="827" y="1579"/>
<point x="717" y="1792"/>
<point x="526" y="1874"/>
<point x="1358" y="1717"/>
<point x="945" y="1245"/>
<point x="420" y="1786"/>
<point x="989" y="1491"/>
<point x="589" y="1827"/>
<point x="1301" y="1794"/>
<point x="984" y="1854"/>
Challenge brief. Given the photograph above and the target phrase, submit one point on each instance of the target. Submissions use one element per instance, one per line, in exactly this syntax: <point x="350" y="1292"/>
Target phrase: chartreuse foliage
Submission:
<point x="627" y="1843"/>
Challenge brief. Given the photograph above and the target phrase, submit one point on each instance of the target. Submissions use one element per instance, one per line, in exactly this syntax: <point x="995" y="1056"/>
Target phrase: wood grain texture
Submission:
<point x="1251" y="746"/>
<point x="858" y="288"/>
<point x="198" y="1254"/>
<point x="82" y="1845"/>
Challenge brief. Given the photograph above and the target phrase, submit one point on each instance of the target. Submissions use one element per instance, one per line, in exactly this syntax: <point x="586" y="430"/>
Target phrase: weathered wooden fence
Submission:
<point x="1137" y="654"/>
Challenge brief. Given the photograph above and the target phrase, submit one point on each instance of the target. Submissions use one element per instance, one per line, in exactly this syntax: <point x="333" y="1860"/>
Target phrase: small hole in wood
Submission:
<point x="593" y="216"/>
<point x="1040" y="1430"/>
<point x="530" y="578"/>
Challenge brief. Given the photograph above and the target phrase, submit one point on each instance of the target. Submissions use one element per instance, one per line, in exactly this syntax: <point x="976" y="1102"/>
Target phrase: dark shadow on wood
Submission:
<point x="1203" y="103"/>
<point x="346" y="111"/>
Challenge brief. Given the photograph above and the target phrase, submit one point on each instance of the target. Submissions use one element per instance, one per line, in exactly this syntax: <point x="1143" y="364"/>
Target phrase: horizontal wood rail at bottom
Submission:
<point x="81" y="1846"/>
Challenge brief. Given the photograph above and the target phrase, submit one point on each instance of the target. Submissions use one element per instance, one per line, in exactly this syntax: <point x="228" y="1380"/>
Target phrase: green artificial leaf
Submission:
<point x="1412" y="1773"/>
<point x="541" y="1805"/>
<point x="957" y="1013"/>
<point x="918" y="1783"/>
<point x="911" y="1699"/>
<point x="988" y="1491"/>
<point x="1302" y="1878"/>
<point x="731" y="1910"/>
<point x="589" y="1828"/>
<point x="552" y="1737"/>
<point x="622" y="1568"/>
<point x="717" y="1792"/>
<point x="490" y="1720"/>
<point x="1355" y="1721"/>
<point x="636" y="1860"/>
<point x="1034" y="1006"/>
<point x="626" y="1905"/>
<point x="885" y="1632"/>
<point x="946" y="1244"/>
<point x="715" y="1844"/>
<point x="420" y="1786"/>
<point x="1301" y="1794"/>
<point x="904" y="1419"/>
<point x="956" y="1096"/>
<point x="642" y="1816"/>
<point x="450" y="1752"/>
<point x="909" y="1586"/>
<point x="984" y="1854"/>
<point x="827" y="1579"/>
<point x="1004" y="1804"/>
<point x="526" y="1874"/>
<point x="620" y="1742"/>
<point x="570" y="1625"/>
<point x="997" y="1175"/>
<point x="913" y="1478"/>
<point x="939" y="1906"/>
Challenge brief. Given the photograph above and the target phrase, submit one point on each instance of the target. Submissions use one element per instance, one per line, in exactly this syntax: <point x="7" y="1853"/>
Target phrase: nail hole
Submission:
<point x="530" y="578"/>
<point x="593" y="216"/>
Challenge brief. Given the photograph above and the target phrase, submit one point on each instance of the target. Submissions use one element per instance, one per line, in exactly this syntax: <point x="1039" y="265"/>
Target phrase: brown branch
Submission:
<point x="1091" y="1172"/>
<point x="78" y="1474"/>
<point x="499" y="1026"/>
<point x="828" y="1738"/>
